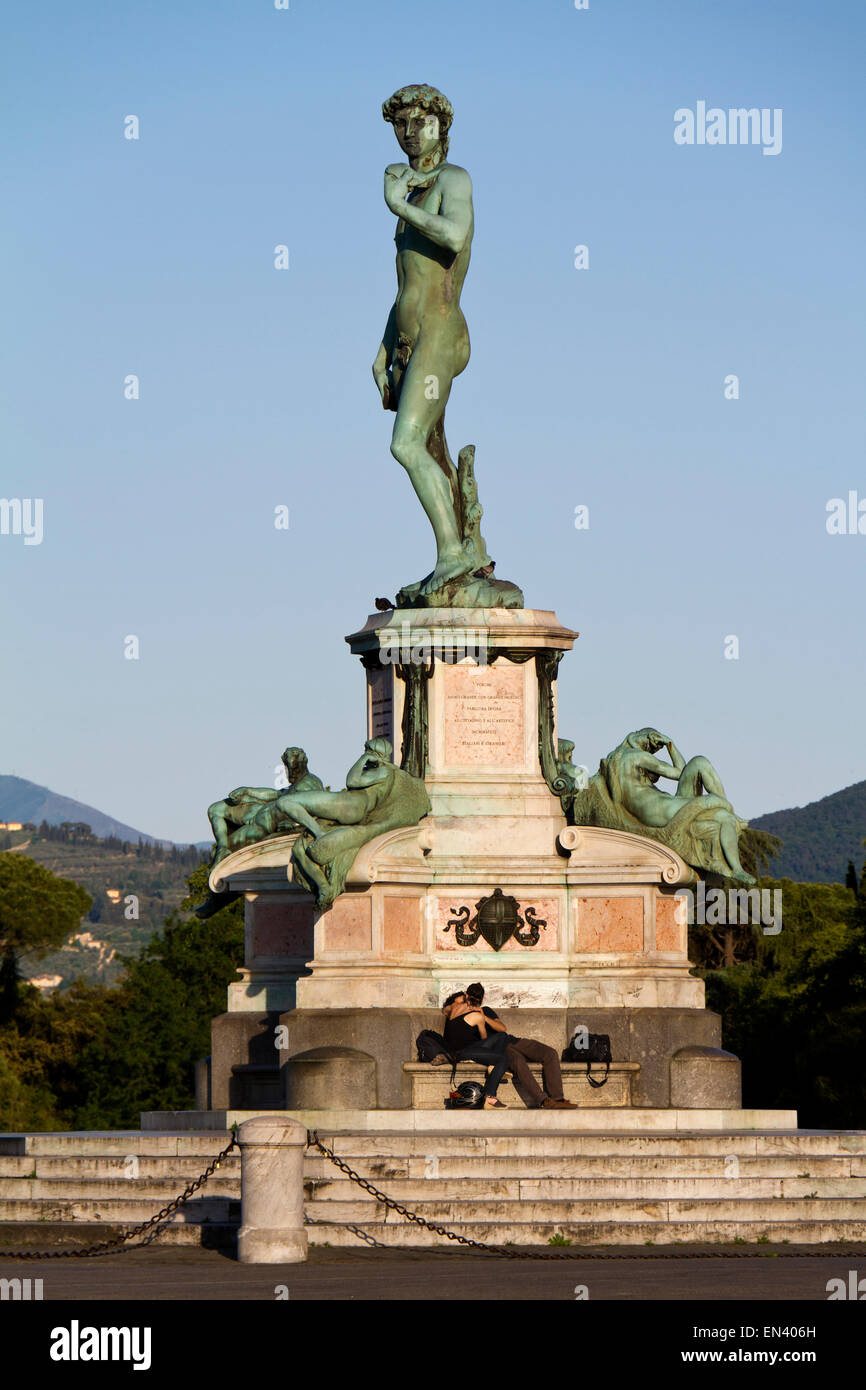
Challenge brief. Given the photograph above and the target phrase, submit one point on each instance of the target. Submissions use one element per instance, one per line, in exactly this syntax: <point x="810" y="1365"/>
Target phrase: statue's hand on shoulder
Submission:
<point x="398" y="181"/>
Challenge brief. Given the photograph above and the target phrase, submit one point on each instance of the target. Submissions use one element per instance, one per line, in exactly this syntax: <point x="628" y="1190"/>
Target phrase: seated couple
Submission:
<point x="474" y="1033"/>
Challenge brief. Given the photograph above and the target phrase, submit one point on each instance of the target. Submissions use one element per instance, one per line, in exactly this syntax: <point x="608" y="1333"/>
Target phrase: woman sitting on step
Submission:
<point x="467" y="1037"/>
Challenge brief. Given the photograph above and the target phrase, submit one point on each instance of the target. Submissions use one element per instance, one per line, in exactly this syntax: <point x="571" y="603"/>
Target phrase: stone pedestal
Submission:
<point x="331" y="1078"/>
<point x="272" y="1191"/>
<point x="468" y="699"/>
<point x="705" y="1078"/>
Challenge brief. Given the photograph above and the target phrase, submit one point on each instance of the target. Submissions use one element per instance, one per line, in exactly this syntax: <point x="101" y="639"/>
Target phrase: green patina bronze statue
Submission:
<point x="697" y="821"/>
<point x="233" y="820"/>
<point x="379" y="796"/>
<point x="426" y="345"/>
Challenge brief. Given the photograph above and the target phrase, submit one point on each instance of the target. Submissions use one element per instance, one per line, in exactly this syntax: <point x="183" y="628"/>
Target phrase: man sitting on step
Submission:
<point x="522" y="1051"/>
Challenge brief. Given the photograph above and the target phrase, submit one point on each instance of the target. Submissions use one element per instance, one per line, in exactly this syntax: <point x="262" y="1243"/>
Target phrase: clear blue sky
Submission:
<point x="601" y="387"/>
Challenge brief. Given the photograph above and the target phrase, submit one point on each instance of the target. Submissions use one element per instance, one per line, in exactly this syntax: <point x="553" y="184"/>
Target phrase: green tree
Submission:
<point x="851" y="877"/>
<point x="156" y="1025"/>
<point x="796" y="1014"/>
<point x="95" y="1057"/>
<point x="38" y="912"/>
<point x="757" y="848"/>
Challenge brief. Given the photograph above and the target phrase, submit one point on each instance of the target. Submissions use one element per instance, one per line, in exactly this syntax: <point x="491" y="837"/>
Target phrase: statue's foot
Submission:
<point x="448" y="568"/>
<point x="214" y="902"/>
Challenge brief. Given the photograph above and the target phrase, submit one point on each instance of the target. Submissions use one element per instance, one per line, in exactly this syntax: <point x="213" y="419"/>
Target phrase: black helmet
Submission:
<point x="468" y="1096"/>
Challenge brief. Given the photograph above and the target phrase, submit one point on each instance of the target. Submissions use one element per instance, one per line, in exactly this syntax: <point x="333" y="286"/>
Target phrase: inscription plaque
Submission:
<point x="381" y="705"/>
<point x="484" y="716"/>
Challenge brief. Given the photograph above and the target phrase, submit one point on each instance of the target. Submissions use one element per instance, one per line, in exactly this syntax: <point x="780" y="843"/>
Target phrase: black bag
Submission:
<point x="597" y="1050"/>
<point x="429" y="1045"/>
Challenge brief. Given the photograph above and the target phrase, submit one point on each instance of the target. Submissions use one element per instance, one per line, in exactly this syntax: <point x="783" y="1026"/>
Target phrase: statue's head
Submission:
<point x="294" y="760"/>
<point x="374" y="764"/>
<point x="421" y="117"/>
<point x="647" y="740"/>
<point x="565" y="748"/>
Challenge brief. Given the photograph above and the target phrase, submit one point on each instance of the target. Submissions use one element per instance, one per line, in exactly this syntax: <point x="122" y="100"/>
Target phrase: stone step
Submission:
<point x="206" y="1143"/>
<point x="132" y="1210"/>
<point x="820" y="1166"/>
<point x="528" y="1142"/>
<point x="184" y="1170"/>
<point x="672" y="1144"/>
<point x="38" y="1235"/>
<point x="667" y="1210"/>
<point x="454" y="1162"/>
<point x="728" y="1233"/>
<point x="157" y="1191"/>
<point x="613" y="1190"/>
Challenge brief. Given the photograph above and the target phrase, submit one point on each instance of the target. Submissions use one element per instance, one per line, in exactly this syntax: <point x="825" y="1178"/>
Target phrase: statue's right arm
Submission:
<point x="677" y="758"/>
<point x="252" y="794"/>
<point x="653" y="764"/>
<point x="385" y="356"/>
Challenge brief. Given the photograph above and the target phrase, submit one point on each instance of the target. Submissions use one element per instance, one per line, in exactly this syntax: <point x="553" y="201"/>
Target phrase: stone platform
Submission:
<point x="523" y="1177"/>
<point x="586" y="1120"/>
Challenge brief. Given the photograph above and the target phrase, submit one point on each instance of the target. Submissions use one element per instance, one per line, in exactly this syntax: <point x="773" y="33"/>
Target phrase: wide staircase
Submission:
<point x="525" y="1188"/>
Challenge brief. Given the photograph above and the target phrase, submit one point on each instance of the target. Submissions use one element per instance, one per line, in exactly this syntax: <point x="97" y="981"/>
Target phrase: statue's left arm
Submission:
<point x="450" y="227"/>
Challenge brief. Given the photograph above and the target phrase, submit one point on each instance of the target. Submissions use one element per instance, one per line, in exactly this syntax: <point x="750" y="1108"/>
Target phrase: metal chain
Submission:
<point x="119" y="1243"/>
<point x="355" y="1230"/>
<point x="509" y="1253"/>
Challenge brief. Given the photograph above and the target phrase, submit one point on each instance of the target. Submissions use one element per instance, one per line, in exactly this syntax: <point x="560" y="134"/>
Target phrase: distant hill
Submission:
<point x="819" y="838"/>
<point x="133" y="887"/>
<point x="25" y="801"/>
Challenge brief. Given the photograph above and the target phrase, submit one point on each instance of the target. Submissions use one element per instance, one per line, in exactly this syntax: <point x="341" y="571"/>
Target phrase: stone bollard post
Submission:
<point x="272" y="1191"/>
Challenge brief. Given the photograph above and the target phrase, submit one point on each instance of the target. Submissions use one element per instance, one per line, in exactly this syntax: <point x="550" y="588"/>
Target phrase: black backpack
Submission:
<point x="429" y="1045"/>
<point x="597" y="1050"/>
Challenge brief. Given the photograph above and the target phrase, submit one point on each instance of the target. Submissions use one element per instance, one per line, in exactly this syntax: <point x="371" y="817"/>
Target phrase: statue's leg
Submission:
<point x="315" y="875"/>
<point x="699" y="775"/>
<point x="729" y="838"/>
<point x="265" y="822"/>
<point x="216" y="814"/>
<point x="424" y="393"/>
<point x="302" y="806"/>
<point x="328" y="847"/>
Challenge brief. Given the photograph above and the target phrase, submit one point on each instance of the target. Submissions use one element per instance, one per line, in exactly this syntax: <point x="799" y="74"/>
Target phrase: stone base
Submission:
<point x="430" y="1085"/>
<point x="332" y="1077"/>
<point x="646" y="1038"/>
<point x="705" y="1078"/>
<point x="628" y="1120"/>
<point x="259" y="1245"/>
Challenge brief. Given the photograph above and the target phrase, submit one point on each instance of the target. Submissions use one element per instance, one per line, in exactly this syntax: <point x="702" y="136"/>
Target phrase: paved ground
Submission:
<point x="182" y="1273"/>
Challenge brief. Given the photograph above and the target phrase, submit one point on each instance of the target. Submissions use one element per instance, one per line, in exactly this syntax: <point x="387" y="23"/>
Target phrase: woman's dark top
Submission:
<point x="459" y="1034"/>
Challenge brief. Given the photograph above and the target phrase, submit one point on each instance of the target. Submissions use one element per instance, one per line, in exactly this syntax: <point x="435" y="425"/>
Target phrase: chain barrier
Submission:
<point x="522" y="1253"/>
<point x="347" y="1225"/>
<point x="153" y="1225"/>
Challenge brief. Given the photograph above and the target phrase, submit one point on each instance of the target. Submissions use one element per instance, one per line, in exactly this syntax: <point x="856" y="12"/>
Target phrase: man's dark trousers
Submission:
<point x="525" y="1050"/>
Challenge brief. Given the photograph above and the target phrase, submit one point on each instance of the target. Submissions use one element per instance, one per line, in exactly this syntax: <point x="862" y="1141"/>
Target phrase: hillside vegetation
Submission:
<point x="819" y="839"/>
<point x="134" y="888"/>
